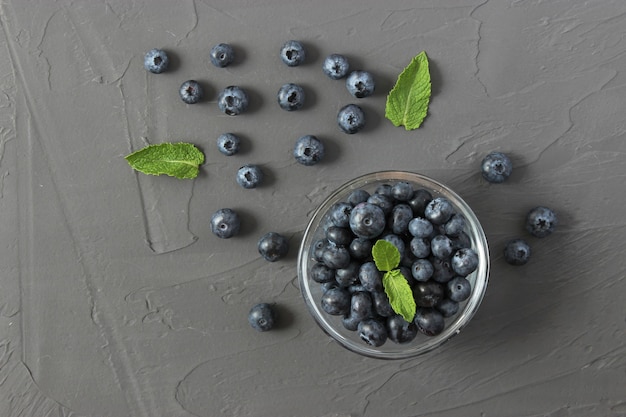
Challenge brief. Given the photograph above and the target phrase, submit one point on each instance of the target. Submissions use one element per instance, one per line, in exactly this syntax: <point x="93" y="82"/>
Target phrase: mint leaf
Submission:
<point x="386" y="255"/>
<point x="400" y="295"/>
<point x="407" y="102"/>
<point x="180" y="160"/>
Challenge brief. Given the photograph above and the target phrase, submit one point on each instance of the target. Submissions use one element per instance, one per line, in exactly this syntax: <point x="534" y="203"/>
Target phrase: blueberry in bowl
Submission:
<point x="428" y="286"/>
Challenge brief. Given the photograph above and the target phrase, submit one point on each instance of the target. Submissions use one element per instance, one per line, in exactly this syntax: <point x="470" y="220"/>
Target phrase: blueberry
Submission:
<point x="309" y="150"/>
<point x="496" y="167"/>
<point x="321" y="273"/>
<point x="360" y="84"/>
<point x="429" y="321"/>
<point x="443" y="271"/>
<point x="370" y="277"/>
<point x="420" y="227"/>
<point x="384" y="189"/>
<point x="262" y="317"/>
<point x="336" y="301"/>
<point x="360" y="248"/>
<point x="373" y="332"/>
<point x="232" y="100"/>
<point x="420" y="247"/>
<point x="458" y="289"/>
<point x="541" y="221"/>
<point x="400" y="330"/>
<point x="422" y="270"/>
<point x="190" y="92"/>
<point x="273" y="246"/>
<point x="350" y="323"/>
<point x="225" y="223"/>
<point x="464" y="261"/>
<point x="291" y="97"/>
<point x="349" y="275"/>
<point x="228" y="144"/>
<point x="222" y="55"/>
<point x="402" y="191"/>
<point x="367" y="220"/>
<point x="361" y="305"/>
<point x="381" y="304"/>
<point x="335" y="66"/>
<point x="351" y="118"/>
<point x="336" y="257"/>
<point x="383" y="201"/>
<point x="249" y="176"/>
<point x="441" y="246"/>
<point x="358" y="196"/>
<point x="401" y="215"/>
<point x="419" y="201"/>
<point x="447" y="307"/>
<point x="340" y="236"/>
<point x="292" y="53"/>
<point x="340" y="214"/>
<point x="461" y="241"/>
<point x="318" y="249"/>
<point x="517" y="252"/>
<point x="455" y="225"/>
<point x="156" y="61"/>
<point x="439" y="210"/>
<point x="428" y="293"/>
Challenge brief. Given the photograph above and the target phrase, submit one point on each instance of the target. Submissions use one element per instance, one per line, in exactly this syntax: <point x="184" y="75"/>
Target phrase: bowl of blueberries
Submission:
<point x="393" y="264"/>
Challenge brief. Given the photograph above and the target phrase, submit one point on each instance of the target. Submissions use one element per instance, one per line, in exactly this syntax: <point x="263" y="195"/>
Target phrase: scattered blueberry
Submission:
<point x="222" y="55"/>
<point x="292" y="53"/>
<point x="156" y="61"/>
<point x="373" y="332"/>
<point x="308" y="150"/>
<point x="273" y="246"/>
<point x="541" y="221"/>
<point x="351" y="118"/>
<point x="233" y="100"/>
<point x="225" y="223"/>
<point x="262" y="317"/>
<point x="228" y="144"/>
<point x="249" y="176"/>
<point x="191" y="92"/>
<point x="517" y="252"/>
<point x="360" y="84"/>
<point x="335" y="66"/>
<point x="291" y="97"/>
<point x="496" y="167"/>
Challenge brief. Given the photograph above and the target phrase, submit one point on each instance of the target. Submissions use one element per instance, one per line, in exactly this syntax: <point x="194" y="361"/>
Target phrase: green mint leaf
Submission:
<point x="386" y="255"/>
<point x="407" y="102"/>
<point x="400" y="294"/>
<point x="180" y="160"/>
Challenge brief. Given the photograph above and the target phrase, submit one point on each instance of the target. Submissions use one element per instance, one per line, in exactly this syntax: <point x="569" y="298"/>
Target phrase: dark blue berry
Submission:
<point x="496" y="167"/>
<point x="381" y="304"/>
<point x="360" y="248"/>
<point x="335" y="66"/>
<point x="336" y="257"/>
<point x="273" y="246"/>
<point x="373" y="332"/>
<point x="429" y="321"/>
<point x="370" y="277"/>
<point x="455" y="225"/>
<point x="401" y="215"/>
<point x="233" y="100"/>
<point x="349" y="275"/>
<point x="262" y="317"/>
<point x="447" y="307"/>
<point x="458" y="289"/>
<point x="291" y="97"/>
<point x="367" y="220"/>
<point x="422" y="270"/>
<point x="321" y="273"/>
<point x="361" y="305"/>
<point x="292" y="53"/>
<point x="383" y="201"/>
<point x="464" y="261"/>
<point x="402" y="191"/>
<point x="340" y="236"/>
<point x="517" y="252"/>
<point x="308" y="150"/>
<point x="340" y="214"/>
<point x="439" y="210"/>
<point x="360" y="84"/>
<point x="441" y="246"/>
<point x="156" y="61"/>
<point x="420" y="247"/>
<point x="443" y="271"/>
<point x="191" y="92"/>
<point x="350" y="323"/>
<point x="351" y="118"/>
<point x="318" y="249"/>
<point x="428" y="293"/>
<point x="400" y="330"/>
<point x="419" y="201"/>
<point x="225" y="223"/>
<point x="384" y="189"/>
<point x="541" y="221"/>
<point x="222" y="55"/>
<point x="228" y="144"/>
<point x="336" y="301"/>
<point x="420" y="227"/>
<point x="461" y="241"/>
<point x="249" y="176"/>
<point x="358" y="196"/>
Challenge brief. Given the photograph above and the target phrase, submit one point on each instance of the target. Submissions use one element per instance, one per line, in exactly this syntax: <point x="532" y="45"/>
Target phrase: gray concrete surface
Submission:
<point x="115" y="298"/>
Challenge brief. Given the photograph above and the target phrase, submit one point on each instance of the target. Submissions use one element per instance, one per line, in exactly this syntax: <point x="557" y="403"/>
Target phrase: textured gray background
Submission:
<point x="115" y="298"/>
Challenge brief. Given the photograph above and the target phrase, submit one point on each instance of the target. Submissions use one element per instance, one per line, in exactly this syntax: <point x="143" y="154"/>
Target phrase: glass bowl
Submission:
<point x="312" y="291"/>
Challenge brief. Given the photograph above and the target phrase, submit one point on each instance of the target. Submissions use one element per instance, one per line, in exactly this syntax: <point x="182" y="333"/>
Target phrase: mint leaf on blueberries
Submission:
<point x="180" y="160"/>
<point x="407" y="102"/>
<point x="386" y="255"/>
<point x="400" y="295"/>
